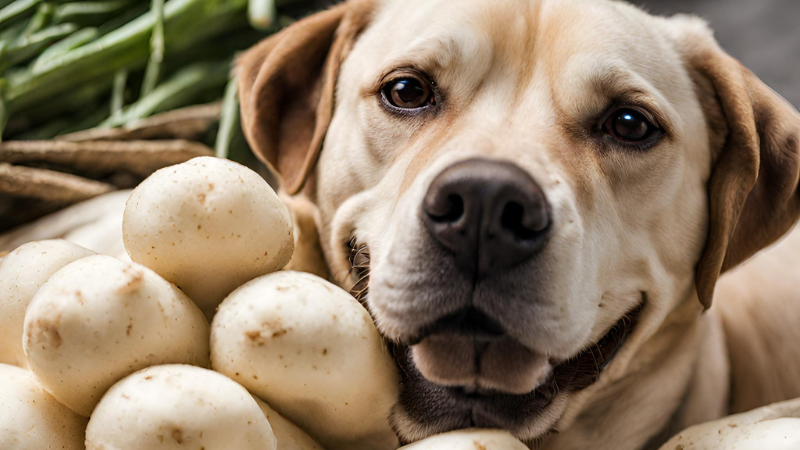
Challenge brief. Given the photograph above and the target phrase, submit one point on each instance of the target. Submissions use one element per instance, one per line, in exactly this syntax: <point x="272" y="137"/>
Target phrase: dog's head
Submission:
<point x="533" y="179"/>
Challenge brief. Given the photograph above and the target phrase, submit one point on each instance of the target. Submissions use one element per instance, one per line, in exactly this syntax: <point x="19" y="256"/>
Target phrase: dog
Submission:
<point x="535" y="200"/>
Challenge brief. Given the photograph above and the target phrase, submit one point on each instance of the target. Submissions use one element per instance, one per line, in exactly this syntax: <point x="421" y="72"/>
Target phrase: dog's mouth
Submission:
<point x="426" y="407"/>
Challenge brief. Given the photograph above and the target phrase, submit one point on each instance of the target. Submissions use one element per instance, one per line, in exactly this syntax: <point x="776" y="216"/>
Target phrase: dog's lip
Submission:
<point x="466" y="360"/>
<point x="575" y="373"/>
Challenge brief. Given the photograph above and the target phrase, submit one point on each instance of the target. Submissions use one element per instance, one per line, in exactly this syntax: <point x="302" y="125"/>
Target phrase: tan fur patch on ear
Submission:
<point x="753" y="187"/>
<point x="287" y="84"/>
<point x="352" y="25"/>
<point x="773" y="205"/>
<point x="735" y="172"/>
<point x="712" y="111"/>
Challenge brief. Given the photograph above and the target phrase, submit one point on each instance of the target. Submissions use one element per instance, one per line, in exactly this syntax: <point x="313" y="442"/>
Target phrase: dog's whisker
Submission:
<point x="600" y="352"/>
<point x="359" y="269"/>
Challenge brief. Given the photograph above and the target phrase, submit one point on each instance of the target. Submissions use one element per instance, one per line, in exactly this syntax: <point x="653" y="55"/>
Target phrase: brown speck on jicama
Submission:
<point x="177" y="435"/>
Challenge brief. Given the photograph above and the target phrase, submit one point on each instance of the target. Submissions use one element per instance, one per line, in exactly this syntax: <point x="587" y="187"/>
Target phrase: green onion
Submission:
<point x="30" y="46"/>
<point x="3" y="108"/>
<point x="70" y="42"/>
<point x="185" y="23"/>
<point x="40" y="19"/>
<point x="174" y="92"/>
<point x="153" y="69"/>
<point x="16" y="9"/>
<point x="118" y="92"/>
<point x="78" y="10"/>
<point x="228" y="121"/>
<point x="66" y="65"/>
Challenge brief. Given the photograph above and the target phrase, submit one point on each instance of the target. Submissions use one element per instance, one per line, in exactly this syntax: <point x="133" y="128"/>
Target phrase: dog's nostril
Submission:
<point x="513" y="218"/>
<point x="448" y="211"/>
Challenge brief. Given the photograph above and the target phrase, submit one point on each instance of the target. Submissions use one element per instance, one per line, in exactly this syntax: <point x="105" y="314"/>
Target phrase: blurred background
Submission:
<point x="762" y="34"/>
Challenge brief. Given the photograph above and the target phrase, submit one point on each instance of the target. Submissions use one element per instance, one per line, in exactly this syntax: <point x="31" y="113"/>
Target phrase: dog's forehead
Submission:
<point x="583" y="51"/>
<point x="516" y="31"/>
<point x="524" y="66"/>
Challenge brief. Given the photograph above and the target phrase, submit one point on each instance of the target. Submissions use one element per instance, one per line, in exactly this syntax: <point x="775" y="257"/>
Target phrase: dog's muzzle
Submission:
<point x="459" y="323"/>
<point x="490" y="216"/>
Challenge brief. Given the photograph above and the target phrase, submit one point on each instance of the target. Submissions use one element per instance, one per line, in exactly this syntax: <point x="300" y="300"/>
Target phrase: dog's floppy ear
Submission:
<point x="753" y="189"/>
<point x="286" y="88"/>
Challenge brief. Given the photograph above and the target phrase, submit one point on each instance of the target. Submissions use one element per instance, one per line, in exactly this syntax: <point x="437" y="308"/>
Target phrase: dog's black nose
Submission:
<point x="491" y="214"/>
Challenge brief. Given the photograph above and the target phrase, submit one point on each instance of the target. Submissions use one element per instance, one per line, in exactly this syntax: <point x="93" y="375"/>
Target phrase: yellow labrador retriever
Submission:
<point x="535" y="200"/>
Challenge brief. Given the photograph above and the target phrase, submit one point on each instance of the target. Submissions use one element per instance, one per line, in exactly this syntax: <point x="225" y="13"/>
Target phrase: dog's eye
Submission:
<point x="629" y="125"/>
<point x="408" y="93"/>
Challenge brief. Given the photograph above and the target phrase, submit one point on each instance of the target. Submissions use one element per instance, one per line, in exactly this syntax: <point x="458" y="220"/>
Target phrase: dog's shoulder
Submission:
<point x="759" y="303"/>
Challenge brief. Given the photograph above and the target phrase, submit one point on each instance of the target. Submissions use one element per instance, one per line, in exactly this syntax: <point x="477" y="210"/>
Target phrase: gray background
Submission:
<point x="762" y="34"/>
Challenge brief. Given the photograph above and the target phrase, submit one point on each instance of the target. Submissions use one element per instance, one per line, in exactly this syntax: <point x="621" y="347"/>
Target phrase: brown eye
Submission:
<point x="629" y="125"/>
<point x="408" y="93"/>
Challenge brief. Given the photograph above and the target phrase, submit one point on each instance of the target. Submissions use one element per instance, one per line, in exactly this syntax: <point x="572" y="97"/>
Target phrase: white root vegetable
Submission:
<point x="472" y="439"/>
<point x="30" y="418"/>
<point x="288" y="435"/>
<point x="208" y="225"/>
<point x="99" y="319"/>
<point x="773" y="427"/>
<point x="62" y="222"/>
<point x="178" y="407"/>
<point x="312" y="352"/>
<point x="104" y="236"/>
<point x="22" y="273"/>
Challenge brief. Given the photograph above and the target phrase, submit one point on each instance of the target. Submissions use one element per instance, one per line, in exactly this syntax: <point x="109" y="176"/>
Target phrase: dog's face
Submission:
<point x="531" y="180"/>
<point x="543" y="178"/>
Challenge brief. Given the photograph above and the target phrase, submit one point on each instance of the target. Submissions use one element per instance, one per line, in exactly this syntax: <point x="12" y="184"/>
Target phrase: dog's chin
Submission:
<point x="452" y="381"/>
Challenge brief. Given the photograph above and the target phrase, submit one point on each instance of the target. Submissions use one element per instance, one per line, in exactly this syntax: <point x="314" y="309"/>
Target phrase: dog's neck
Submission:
<point x="677" y="378"/>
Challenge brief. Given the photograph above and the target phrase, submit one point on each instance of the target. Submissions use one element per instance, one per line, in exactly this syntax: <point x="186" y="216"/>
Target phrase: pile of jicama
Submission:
<point x="200" y="341"/>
